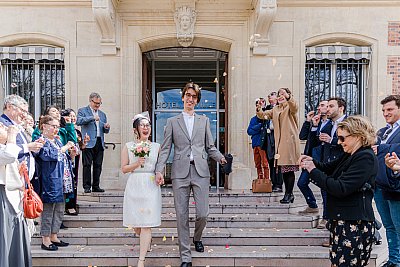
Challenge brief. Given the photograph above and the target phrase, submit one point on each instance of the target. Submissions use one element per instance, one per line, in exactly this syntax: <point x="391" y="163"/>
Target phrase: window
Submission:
<point x="36" y="74"/>
<point x="339" y="72"/>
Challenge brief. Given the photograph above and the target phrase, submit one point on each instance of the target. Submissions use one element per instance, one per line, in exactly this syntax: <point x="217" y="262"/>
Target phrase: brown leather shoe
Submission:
<point x="309" y="210"/>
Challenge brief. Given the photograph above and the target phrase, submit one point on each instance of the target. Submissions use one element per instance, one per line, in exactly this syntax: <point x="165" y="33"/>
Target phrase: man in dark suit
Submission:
<point x="94" y="124"/>
<point x="330" y="149"/>
<point x="318" y="120"/>
<point x="388" y="200"/>
<point x="269" y="147"/>
<point x="15" y="109"/>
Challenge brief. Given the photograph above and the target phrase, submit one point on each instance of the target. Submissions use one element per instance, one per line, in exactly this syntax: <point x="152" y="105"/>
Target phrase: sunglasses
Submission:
<point x="342" y="138"/>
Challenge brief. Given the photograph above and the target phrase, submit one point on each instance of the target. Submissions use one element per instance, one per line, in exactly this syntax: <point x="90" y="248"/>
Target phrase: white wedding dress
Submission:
<point x="142" y="198"/>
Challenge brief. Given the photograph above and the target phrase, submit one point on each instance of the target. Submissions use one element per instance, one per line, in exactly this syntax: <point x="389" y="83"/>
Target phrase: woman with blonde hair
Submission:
<point x="286" y="134"/>
<point x="349" y="182"/>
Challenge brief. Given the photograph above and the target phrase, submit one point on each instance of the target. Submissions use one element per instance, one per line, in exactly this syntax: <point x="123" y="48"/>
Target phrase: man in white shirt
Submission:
<point x="191" y="137"/>
<point x="14" y="111"/>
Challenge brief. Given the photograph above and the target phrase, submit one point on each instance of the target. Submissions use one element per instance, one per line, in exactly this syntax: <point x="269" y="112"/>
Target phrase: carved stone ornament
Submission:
<point x="265" y="12"/>
<point x="104" y="14"/>
<point x="185" y="18"/>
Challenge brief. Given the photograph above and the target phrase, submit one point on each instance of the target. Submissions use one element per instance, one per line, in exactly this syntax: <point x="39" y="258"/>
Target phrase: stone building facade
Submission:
<point x="137" y="53"/>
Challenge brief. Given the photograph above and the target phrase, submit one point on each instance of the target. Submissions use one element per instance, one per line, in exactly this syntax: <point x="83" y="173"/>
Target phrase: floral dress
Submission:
<point x="351" y="242"/>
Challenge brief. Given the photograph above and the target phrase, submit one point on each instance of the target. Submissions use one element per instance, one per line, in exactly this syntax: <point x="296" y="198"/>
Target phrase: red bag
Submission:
<point x="33" y="205"/>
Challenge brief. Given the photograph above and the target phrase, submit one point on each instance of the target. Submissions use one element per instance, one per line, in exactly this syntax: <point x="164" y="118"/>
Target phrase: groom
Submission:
<point x="193" y="143"/>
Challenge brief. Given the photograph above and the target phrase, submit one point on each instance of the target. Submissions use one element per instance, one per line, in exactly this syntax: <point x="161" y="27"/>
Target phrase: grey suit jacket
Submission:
<point x="86" y="120"/>
<point x="201" y="145"/>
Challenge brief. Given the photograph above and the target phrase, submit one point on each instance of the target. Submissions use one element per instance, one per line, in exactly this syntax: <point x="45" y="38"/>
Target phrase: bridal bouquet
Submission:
<point x="141" y="149"/>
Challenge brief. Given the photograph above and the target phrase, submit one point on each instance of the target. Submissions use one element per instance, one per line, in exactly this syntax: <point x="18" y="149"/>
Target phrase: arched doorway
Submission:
<point x="166" y="71"/>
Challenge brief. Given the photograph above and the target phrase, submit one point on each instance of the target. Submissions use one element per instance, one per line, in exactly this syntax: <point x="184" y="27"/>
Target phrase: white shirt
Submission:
<point x="9" y="176"/>
<point x="394" y="128"/>
<point x="31" y="166"/>
<point x="189" y="122"/>
<point x="335" y="124"/>
<point x="97" y="122"/>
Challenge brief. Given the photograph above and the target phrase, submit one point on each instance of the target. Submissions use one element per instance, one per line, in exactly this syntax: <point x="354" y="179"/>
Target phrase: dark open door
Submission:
<point x="147" y="104"/>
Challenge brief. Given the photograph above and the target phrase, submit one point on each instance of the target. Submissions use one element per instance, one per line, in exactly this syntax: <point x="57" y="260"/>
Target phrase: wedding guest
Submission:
<point x="66" y="133"/>
<point x="287" y="143"/>
<point x="55" y="175"/>
<point x="142" y="198"/>
<point x="269" y="147"/>
<point x="94" y="123"/>
<point x="29" y="125"/>
<point x="349" y="182"/>
<point x="71" y="207"/>
<point x="15" y="248"/>
<point x="255" y="130"/>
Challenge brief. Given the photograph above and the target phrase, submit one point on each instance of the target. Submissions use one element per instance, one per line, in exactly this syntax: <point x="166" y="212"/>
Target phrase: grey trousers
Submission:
<point x="52" y="217"/>
<point x="181" y="188"/>
<point x="15" y="248"/>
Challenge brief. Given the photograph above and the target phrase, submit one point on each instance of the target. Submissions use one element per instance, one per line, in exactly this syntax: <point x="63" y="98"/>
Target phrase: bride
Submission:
<point x="142" y="198"/>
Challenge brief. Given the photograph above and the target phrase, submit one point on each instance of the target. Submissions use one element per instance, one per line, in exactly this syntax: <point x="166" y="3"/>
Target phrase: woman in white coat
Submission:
<point x="14" y="237"/>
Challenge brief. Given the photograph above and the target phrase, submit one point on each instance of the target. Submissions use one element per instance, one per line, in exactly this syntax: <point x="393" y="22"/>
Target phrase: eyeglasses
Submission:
<point x="386" y="134"/>
<point x="97" y="103"/>
<point x="342" y="138"/>
<point x="189" y="95"/>
<point x="20" y="109"/>
<point x="53" y="125"/>
<point x="145" y="125"/>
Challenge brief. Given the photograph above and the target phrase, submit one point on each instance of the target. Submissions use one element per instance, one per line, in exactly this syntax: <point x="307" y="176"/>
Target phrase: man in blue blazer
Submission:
<point x="318" y="121"/>
<point x="94" y="124"/>
<point x="15" y="109"/>
<point x="387" y="193"/>
<point x="329" y="149"/>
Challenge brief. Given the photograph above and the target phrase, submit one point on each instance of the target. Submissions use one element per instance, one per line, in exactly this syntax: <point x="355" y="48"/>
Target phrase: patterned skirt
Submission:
<point x="289" y="168"/>
<point x="351" y="242"/>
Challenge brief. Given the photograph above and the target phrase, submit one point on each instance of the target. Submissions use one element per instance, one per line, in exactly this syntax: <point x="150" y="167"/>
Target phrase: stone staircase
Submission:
<point x="244" y="229"/>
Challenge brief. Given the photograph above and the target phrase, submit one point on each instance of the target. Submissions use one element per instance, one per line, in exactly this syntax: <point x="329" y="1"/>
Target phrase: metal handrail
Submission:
<point x="106" y="144"/>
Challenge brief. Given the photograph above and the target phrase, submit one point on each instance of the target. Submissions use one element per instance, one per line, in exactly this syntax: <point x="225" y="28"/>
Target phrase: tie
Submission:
<point x="386" y="134"/>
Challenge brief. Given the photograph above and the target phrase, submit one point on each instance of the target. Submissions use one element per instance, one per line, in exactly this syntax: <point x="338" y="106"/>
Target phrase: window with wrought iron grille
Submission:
<point x="37" y="77"/>
<point x="336" y="74"/>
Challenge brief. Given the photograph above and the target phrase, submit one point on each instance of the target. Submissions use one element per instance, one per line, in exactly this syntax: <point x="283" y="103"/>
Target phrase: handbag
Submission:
<point x="33" y="205"/>
<point x="261" y="186"/>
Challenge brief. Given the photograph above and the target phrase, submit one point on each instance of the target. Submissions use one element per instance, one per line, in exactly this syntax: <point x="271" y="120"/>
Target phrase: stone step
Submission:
<point x="230" y="197"/>
<point x="211" y="236"/>
<point x="168" y="255"/>
<point x="86" y="207"/>
<point x="281" y="221"/>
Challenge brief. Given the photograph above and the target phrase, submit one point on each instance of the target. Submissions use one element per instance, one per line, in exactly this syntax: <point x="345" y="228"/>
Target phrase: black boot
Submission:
<point x="288" y="198"/>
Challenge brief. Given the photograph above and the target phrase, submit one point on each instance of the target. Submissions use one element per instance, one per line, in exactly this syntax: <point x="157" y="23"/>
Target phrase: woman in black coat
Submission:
<point x="349" y="182"/>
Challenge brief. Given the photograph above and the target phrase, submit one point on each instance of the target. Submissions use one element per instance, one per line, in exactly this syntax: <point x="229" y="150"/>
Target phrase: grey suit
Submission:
<point x="186" y="176"/>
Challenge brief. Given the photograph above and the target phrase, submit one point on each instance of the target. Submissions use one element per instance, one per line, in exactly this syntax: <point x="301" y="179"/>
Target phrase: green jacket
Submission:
<point x="66" y="134"/>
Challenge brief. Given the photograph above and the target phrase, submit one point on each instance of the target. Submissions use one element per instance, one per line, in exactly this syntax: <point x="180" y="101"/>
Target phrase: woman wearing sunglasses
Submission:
<point x="349" y="182"/>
